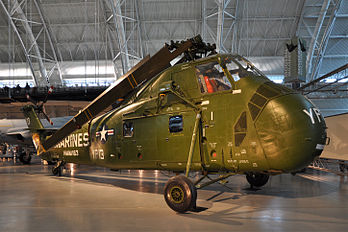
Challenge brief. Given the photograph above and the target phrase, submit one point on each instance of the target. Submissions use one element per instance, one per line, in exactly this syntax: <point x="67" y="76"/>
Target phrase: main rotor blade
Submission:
<point x="144" y="70"/>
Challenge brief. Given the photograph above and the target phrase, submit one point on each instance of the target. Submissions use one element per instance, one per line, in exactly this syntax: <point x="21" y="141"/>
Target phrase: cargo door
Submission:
<point x="175" y="122"/>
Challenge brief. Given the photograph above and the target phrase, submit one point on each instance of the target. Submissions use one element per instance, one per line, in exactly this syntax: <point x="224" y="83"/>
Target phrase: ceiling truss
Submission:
<point x="47" y="63"/>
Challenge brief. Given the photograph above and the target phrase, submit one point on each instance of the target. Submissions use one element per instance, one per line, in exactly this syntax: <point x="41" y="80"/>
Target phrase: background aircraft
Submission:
<point x="16" y="132"/>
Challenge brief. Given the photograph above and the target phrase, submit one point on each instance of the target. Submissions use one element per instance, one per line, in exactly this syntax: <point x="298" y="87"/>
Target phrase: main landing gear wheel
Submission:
<point x="257" y="179"/>
<point x="180" y="194"/>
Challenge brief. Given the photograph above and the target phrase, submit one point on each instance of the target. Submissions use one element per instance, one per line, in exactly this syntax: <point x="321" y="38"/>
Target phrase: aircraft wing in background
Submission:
<point x="16" y="132"/>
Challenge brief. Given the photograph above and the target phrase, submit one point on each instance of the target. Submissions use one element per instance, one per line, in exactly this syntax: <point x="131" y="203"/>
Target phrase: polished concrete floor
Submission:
<point x="96" y="199"/>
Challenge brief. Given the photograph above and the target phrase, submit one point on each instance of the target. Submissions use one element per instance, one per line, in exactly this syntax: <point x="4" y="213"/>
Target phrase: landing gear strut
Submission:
<point x="57" y="170"/>
<point x="180" y="193"/>
<point x="257" y="179"/>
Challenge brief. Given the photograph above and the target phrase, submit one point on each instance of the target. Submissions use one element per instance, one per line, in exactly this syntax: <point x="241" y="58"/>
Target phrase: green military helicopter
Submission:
<point x="214" y="113"/>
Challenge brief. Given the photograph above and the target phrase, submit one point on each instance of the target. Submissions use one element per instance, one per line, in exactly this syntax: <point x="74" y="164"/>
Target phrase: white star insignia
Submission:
<point x="103" y="133"/>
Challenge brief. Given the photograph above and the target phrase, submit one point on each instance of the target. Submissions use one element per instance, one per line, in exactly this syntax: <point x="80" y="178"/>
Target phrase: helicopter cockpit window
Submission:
<point x="175" y="124"/>
<point x="128" y="129"/>
<point x="211" y="78"/>
<point x="239" y="68"/>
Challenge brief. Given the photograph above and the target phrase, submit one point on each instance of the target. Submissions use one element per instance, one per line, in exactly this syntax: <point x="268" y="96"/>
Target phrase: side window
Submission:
<point x="211" y="78"/>
<point x="128" y="129"/>
<point x="240" y="129"/>
<point x="175" y="124"/>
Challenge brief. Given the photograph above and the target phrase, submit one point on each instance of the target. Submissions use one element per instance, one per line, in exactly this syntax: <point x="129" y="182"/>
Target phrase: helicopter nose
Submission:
<point x="292" y="132"/>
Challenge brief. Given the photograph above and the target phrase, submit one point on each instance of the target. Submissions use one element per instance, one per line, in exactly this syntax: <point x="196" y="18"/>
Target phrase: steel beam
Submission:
<point x="121" y="34"/>
<point x="21" y="41"/>
<point x="224" y="18"/>
<point x="32" y="51"/>
<point x="140" y="28"/>
<point x="220" y="24"/>
<point x="109" y="37"/>
<point x="280" y="28"/>
<point x="204" y="20"/>
<point x="315" y="37"/>
<point x="324" y="41"/>
<point x="128" y="28"/>
<point x="31" y="37"/>
<point x="51" y="38"/>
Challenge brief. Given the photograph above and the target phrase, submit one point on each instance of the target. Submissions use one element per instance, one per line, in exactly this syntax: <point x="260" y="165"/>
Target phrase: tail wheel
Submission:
<point x="180" y="194"/>
<point x="57" y="171"/>
<point x="25" y="157"/>
<point x="257" y="179"/>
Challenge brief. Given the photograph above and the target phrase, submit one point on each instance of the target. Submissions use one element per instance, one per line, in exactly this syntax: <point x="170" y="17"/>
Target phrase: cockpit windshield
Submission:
<point x="212" y="75"/>
<point x="239" y="67"/>
<point x="212" y="78"/>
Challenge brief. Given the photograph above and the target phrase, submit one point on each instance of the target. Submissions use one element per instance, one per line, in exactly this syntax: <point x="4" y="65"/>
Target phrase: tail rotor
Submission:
<point x="40" y="108"/>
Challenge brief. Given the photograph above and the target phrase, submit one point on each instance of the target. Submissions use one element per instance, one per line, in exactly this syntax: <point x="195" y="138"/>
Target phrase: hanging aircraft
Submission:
<point x="214" y="113"/>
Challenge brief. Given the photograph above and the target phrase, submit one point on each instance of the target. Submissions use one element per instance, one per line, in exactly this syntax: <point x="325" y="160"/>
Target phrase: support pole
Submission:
<point x="222" y="177"/>
<point x="204" y="20"/>
<point x="192" y="146"/>
<point x="220" y="25"/>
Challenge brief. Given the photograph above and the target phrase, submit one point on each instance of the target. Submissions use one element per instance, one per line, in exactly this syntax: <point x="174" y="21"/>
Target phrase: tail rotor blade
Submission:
<point x="50" y="90"/>
<point x="46" y="116"/>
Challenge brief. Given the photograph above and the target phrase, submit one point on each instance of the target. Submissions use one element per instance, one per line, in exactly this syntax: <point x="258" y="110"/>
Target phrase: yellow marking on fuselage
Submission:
<point x="135" y="81"/>
<point x="130" y="82"/>
<point x="88" y="114"/>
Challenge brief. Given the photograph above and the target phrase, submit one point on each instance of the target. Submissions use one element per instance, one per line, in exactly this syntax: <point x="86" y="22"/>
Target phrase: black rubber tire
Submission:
<point x="57" y="171"/>
<point x="25" y="158"/>
<point x="257" y="179"/>
<point x="180" y="194"/>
